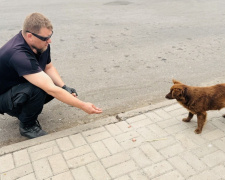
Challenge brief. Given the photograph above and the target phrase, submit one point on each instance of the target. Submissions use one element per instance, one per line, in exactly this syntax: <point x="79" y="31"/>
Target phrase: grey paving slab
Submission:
<point x="149" y="143"/>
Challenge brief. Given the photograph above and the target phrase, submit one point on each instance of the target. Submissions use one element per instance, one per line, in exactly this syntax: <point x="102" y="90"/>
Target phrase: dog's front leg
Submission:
<point x="190" y="116"/>
<point x="201" y="121"/>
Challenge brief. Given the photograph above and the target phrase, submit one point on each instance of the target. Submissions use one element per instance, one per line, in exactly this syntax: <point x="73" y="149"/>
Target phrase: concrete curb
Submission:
<point x="102" y="122"/>
<point x="32" y="142"/>
<point x="129" y="114"/>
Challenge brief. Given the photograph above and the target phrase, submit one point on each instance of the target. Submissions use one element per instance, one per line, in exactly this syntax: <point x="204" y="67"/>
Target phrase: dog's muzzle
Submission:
<point x="169" y="96"/>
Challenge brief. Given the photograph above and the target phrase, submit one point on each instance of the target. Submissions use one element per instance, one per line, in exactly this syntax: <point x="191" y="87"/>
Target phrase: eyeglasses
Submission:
<point x="41" y="37"/>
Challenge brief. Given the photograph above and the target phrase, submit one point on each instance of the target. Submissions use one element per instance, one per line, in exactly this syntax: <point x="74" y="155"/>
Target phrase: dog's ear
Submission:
<point x="176" y="82"/>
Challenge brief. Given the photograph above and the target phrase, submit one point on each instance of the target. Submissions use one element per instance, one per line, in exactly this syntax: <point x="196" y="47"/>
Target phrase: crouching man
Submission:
<point x="28" y="78"/>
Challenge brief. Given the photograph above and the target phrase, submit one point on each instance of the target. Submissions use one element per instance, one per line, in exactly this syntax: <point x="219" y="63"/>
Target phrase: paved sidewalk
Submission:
<point x="147" y="143"/>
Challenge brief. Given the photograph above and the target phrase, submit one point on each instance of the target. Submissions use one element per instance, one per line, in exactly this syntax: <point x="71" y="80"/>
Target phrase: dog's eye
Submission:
<point x="177" y="93"/>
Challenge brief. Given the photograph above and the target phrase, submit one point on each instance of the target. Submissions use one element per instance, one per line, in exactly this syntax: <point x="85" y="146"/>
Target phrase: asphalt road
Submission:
<point x="121" y="55"/>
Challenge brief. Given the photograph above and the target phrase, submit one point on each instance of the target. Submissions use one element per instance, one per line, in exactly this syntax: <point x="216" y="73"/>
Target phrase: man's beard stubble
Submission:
<point x="40" y="51"/>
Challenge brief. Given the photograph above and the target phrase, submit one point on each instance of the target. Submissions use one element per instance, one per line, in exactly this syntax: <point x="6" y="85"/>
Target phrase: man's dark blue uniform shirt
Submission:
<point x="17" y="59"/>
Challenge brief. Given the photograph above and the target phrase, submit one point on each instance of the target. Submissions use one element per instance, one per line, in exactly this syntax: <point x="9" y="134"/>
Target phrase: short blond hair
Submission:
<point x="35" y="21"/>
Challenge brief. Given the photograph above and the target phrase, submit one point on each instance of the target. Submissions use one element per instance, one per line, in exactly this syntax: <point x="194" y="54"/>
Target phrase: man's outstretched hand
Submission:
<point x="91" y="109"/>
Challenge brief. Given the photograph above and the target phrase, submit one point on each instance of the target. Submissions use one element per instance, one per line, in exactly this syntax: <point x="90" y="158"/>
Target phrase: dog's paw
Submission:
<point x="186" y="120"/>
<point x="198" y="131"/>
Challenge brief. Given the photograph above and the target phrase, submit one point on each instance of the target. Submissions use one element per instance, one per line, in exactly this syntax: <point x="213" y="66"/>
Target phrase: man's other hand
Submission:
<point x="70" y="90"/>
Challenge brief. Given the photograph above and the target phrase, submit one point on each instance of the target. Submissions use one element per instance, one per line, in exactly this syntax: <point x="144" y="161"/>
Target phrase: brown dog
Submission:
<point x="198" y="100"/>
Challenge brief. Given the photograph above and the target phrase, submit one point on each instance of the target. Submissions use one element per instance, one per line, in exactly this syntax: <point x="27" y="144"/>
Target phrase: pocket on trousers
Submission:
<point x="19" y="99"/>
<point x="20" y="94"/>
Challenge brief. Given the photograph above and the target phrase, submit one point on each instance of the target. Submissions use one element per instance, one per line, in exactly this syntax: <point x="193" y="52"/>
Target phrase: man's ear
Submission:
<point x="176" y="82"/>
<point x="28" y="37"/>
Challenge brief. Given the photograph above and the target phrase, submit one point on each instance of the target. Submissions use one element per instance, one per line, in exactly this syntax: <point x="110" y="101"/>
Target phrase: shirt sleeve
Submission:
<point x="25" y="63"/>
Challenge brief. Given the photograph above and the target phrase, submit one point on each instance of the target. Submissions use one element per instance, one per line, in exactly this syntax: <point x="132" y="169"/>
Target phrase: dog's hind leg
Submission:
<point x="201" y="121"/>
<point x="188" y="119"/>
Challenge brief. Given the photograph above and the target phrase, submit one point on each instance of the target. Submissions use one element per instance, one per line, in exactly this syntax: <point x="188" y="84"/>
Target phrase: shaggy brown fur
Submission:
<point x="198" y="100"/>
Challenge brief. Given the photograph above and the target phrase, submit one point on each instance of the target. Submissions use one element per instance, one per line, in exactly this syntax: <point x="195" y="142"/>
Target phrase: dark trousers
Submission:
<point x="24" y="101"/>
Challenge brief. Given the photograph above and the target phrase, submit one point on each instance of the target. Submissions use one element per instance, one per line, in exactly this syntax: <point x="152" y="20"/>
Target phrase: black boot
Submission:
<point x="31" y="130"/>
